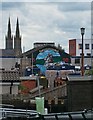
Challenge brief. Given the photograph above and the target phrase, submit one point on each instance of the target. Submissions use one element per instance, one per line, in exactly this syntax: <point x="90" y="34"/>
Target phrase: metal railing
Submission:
<point x="16" y="114"/>
<point x="81" y="115"/>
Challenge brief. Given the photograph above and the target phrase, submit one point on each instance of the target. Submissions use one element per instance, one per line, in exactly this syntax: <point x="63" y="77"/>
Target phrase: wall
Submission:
<point x="86" y="61"/>
<point x="7" y="63"/>
<point x="27" y="85"/>
<point x="72" y="47"/>
<point x="80" y="94"/>
<point x="86" y="41"/>
<point x="5" y="89"/>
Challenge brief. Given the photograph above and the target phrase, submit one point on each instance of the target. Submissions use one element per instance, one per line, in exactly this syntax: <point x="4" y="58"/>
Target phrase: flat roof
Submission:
<point x="79" y="78"/>
<point x="28" y="78"/>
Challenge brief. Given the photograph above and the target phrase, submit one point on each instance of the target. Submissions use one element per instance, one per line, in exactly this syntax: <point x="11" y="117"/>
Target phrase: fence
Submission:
<point x="21" y="114"/>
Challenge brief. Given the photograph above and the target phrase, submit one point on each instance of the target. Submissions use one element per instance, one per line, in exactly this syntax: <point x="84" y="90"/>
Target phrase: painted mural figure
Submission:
<point x="49" y="59"/>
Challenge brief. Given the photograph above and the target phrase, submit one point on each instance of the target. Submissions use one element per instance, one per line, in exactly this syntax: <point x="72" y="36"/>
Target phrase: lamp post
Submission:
<point x="32" y="63"/>
<point x="38" y="85"/>
<point x="82" y="56"/>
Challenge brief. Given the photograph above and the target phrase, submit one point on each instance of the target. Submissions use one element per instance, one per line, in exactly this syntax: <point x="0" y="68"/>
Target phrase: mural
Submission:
<point x="46" y="58"/>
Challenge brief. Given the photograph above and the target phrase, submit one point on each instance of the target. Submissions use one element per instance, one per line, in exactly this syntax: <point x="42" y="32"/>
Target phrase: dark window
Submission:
<point x="81" y="54"/>
<point x="80" y="46"/>
<point x="77" y="61"/>
<point x="92" y="46"/>
<point x="86" y="46"/>
<point x="88" y="54"/>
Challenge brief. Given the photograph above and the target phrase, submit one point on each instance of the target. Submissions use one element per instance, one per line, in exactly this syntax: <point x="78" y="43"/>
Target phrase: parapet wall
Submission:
<point x="80" y="93"/>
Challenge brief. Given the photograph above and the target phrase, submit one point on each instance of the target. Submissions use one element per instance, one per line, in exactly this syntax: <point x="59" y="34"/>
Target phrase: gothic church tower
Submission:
<point x="17" y="40"/>
<point x="9" y="37"/>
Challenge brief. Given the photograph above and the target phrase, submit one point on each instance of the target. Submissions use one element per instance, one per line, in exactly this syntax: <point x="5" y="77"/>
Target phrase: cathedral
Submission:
<point x="9" y="56"/>
<point x="16" y="40"/>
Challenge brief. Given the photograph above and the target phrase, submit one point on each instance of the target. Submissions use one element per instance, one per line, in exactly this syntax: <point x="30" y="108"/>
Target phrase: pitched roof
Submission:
<point x="41" y="48"/>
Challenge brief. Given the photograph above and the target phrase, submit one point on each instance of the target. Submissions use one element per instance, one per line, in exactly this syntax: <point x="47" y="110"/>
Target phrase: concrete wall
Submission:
<point x="8" y="63"/>
<point x="86" y="41"/>
<point x="86" y="61"/>
<point x="5" y="89"/>
<point x="80" y="94"/>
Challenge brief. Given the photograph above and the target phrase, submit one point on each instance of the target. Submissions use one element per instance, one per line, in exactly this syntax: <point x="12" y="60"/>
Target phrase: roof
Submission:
<point x="37" y="49"/>
<point x="5" y="53"/>
<point x="9" y="76"/>
<point x="79" y="78"/>
<point x="28" y="78"/>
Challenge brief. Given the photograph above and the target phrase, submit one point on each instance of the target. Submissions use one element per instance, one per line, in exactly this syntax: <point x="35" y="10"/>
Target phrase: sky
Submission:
<point x="46" y="21"/>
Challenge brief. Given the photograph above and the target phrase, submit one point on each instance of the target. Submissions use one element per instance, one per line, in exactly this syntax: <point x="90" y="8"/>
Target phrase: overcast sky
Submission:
<point x="46" y="21"/>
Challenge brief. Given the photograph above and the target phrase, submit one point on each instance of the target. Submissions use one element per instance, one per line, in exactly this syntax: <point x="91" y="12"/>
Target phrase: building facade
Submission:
<point x="9" y="55"/>
<point x="75" y="50"/>
<point x="9" y="82"/>
<point x="39" y="44"/>
<point x="16" y="39"/>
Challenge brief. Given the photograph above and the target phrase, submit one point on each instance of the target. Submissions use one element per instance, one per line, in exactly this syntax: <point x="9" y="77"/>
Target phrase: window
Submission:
<point x="88" y="54"/>
<point x="80" y="46"/>
<point x="92" y="46"/>
<point x="81" y="54"/>
<point x="77" y="61"/>
<point x="86" y="46"/>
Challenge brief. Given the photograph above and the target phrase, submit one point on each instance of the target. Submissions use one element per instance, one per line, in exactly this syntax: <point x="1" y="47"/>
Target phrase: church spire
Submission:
<point x="17" y="40"/>
<point x="9" y="37"/>
<point x="17" y="29"/>
<point x="9" y="29"/>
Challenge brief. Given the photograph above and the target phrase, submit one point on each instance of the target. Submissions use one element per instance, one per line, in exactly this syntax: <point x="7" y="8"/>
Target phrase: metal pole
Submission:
<point x="38" y="84"/>
<point x="32" y="63"/>
<point x="82" y="59"/>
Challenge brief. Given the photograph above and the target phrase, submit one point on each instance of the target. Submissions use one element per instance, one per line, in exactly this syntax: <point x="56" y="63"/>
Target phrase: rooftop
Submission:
<point x="80" y="78"/>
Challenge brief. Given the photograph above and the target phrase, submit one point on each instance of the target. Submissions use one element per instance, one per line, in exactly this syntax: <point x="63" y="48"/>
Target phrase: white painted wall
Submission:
<point x="86" y="61"/>
<point x="8" y="63"/>
<point x="86" y="41"/>
<point x="5" y="88"/>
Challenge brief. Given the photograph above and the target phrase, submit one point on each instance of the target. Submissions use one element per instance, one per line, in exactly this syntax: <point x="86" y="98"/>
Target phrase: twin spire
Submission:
<point x="17" y="38"/>
<point x="9" y="29"/>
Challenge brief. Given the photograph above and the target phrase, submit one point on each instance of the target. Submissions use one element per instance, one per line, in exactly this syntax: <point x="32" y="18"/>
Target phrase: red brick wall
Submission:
<point x="72" y="47"/>
<point x="27" y="85"/>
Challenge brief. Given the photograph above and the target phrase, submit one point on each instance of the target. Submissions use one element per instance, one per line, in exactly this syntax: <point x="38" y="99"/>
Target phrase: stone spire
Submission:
<point x="17" y="29"/>
<point x="9" y="37"/>
<point x="17" y="40"/>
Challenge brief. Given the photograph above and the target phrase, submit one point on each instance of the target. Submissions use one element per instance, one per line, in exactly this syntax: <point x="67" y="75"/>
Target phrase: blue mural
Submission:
<point x="47" y="57"/>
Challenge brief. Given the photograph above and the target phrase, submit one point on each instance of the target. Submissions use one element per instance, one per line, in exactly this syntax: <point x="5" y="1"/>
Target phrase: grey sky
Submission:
<point x="44" y="21"/>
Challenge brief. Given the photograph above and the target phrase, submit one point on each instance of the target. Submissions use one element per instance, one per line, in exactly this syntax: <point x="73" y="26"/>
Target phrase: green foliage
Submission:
<point x="89" y="72"/>
<point x="21" y="87"/>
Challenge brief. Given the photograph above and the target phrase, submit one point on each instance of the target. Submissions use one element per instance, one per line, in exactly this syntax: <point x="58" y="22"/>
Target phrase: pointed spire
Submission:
<point x="9" y="29"/>
<point x="9" y="37"/>
<point x="17" y="29"/>
<point x="17" y="40"/>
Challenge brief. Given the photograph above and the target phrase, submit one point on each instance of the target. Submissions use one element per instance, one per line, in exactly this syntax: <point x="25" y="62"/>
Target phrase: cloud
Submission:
<point x="75" y="6"/>
<point x="53" y="1"/>
<point x="47" y="22"/>
<point x="12" y="5"/>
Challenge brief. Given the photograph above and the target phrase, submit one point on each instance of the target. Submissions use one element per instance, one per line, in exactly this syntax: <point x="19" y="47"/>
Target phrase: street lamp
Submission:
<point x="82" y="56"/>
<point x="38" y="85"/>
